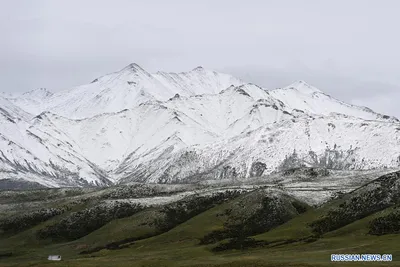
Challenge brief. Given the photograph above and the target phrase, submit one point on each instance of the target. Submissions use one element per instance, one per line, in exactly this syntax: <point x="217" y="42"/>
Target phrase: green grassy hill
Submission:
<point x="260" y="227"/>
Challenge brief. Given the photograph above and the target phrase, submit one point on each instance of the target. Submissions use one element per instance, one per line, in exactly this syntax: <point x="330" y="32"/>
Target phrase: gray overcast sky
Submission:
<point x="347" y="48"/>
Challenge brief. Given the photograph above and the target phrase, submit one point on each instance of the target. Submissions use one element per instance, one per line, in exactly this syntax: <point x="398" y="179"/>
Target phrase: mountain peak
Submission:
<point x="38" y="93"/>
<point x="304" y="87"/>
<point x="198" y="68"/>
<point x="133" y="67"/>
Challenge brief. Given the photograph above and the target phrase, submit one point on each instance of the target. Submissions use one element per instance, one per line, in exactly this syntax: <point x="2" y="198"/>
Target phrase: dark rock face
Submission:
<point x="228" y="172"/>
<point x="291" y="161"/>
<point x="335" y="158"/>
<point x="242" y="92"/>
<point x="307" y="172"/>
<point x="257" y="169"/>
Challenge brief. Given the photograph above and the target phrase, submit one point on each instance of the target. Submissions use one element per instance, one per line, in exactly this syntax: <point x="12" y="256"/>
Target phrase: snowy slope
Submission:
<point x="126" y="89"/>
<point x="30" y="101"/>
<point x="307" y="98"/>
<point x="144" y="131"/>
<point x="333" y="142"/>
<point x="196" y="82"/>
<point x="133" y="126"/>
<point x="10" y="111"/>
<point x="28" y="153"/>
<point x="37" y="94"/>
<point x="240" y="132"/>
<point x="108" y="139"/>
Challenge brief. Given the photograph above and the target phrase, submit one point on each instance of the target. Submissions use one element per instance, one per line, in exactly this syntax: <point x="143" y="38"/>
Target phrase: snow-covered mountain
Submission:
<point x="133" y="126"/>
<point x="334" y="142"/>
<point x="11" y="112"/>
<point x="123" y="90"/>
<point x="30" y="154"/>
<point x="307" y="98"/>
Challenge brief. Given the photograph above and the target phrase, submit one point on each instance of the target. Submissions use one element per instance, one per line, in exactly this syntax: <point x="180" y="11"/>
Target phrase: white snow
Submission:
<point x="133" y="126"/>
<point x="309" y="99"/>
<point x="124" y="89"/>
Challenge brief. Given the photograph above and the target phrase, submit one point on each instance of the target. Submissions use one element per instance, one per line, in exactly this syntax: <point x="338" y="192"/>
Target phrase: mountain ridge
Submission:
<point x="126" y="88"/>
<point x="133" y="126"/>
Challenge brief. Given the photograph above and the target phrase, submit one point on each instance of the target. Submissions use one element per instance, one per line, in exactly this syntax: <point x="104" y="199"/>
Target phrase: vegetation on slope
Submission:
<point x="270" y="210"/>
<point x="25" y="221"/>
<point x="375" y="196"/>
<point x="81" y="223"/>
<point x="264" y="227"/>
<point x="388" y="224"/>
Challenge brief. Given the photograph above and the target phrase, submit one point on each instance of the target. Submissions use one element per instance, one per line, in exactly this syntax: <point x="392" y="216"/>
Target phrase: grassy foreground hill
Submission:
<point x="143" y="225"/>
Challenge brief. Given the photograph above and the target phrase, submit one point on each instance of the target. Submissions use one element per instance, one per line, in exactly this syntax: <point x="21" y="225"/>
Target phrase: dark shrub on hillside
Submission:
<point x="345" y="214"/>
<point x="79" y="224"/>
<point x="215" y="236"/>
<point x="389" y="224"/>
<point x="274" y="211"/>
<point x="25" y="221"/>
<point x="181" y="211"/>
<point x="269" y="216"/>
<point x="300" y="207"/>
<point x="238" y="244"/>
<point x="376" y="196"/>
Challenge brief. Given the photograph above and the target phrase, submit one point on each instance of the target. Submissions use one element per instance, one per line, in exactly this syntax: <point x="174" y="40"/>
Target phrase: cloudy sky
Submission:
<point x="347" y="48"/>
